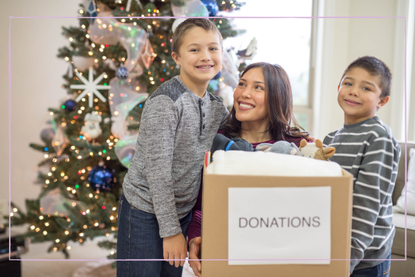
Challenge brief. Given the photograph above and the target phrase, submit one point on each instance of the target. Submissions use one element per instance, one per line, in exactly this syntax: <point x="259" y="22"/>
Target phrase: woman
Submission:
<point x="262" y="112"/>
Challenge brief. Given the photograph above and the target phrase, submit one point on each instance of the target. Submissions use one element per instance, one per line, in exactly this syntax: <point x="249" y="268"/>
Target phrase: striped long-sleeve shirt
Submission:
<point x="369" y="151"/>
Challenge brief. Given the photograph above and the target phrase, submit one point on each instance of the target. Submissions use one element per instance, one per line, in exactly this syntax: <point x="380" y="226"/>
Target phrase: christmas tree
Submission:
<point x="114" y="65"/>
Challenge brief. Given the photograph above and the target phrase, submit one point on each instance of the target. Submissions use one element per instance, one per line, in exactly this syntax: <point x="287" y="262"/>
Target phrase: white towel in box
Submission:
<point x="269" y="164"/>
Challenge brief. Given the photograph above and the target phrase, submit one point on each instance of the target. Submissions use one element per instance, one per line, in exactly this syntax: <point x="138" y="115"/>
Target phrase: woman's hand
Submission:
<point x="194" y="253"/>
<point x="175" y="247"/>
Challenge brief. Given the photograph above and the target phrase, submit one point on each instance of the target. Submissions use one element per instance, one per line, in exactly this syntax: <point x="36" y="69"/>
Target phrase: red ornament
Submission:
<point x="103" y="207"/>
<point x="106" y="45"/>
<point x="161" y="79"/>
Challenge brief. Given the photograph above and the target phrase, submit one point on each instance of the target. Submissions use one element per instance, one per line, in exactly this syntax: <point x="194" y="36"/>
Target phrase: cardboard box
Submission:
<point x="215" y="225"/>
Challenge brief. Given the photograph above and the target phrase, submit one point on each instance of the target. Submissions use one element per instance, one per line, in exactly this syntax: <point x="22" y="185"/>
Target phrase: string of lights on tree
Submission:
<point x="113" y="65"/>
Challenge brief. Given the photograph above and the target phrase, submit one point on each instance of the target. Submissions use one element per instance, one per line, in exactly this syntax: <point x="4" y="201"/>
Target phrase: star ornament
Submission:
<point x="90" y="86"/>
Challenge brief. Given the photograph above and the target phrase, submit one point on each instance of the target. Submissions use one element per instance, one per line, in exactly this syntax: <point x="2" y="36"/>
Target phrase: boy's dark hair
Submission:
<point x="188" y="24"/>
<point x="374" y="67"/>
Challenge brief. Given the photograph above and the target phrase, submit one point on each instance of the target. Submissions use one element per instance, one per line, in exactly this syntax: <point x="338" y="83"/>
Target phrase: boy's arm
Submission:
<point x="371" y="195"/>
<point x="224" y="120"/>
<point x="160" y="122"/>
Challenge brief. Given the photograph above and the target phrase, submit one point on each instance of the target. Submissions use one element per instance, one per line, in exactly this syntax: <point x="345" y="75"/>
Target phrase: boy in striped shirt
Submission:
<point x="367" y="149"/>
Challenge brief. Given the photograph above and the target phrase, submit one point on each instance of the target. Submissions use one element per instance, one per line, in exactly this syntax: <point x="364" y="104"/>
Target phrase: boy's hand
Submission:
<point x="194" y="253"/>
<point x="310" y="138"/>
<point x="175" y="247"/>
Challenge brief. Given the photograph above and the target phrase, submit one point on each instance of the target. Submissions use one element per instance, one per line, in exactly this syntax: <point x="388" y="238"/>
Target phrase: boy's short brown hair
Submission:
<point x="188" y="24"/>
<point x="374" y="67"/>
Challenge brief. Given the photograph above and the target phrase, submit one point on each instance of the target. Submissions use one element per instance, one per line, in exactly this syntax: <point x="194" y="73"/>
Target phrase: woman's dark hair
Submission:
<point x="280" y="105"/>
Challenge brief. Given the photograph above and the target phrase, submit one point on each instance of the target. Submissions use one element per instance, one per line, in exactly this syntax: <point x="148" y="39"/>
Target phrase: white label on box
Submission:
<point x="279" y="225"/>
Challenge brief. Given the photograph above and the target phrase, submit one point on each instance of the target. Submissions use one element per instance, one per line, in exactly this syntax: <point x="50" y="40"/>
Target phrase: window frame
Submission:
<point x="313" y="64"/>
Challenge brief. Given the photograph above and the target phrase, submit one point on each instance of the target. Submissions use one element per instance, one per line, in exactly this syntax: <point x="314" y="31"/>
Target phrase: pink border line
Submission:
<point x="10" y="130"/>
<point x="406" y="159"/>
<point x="153" y="260"/>
<point x="175" y="17"/>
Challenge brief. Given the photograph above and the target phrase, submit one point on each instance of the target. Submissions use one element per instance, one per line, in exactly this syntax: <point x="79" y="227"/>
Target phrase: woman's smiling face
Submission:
<point x="250" y="97"/>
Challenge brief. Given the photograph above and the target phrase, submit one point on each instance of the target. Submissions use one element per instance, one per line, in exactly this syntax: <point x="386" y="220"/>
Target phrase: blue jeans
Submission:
<point x="138" y="238"/>
<point x="381" y="270"/>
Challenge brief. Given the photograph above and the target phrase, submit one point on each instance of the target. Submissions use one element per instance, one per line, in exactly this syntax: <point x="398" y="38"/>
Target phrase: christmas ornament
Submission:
<point x="69" y="74"/>
<point x="82" y="63"/>
<point x="250" y="52"/>
<point x="110" y="31"/>
<point x="214" y="84"/>
<point x="91" y="12"/>
<point x="111" y="64"/>
<point x="101" y="178"/>
<point x="129" y="5"/>
<point x="190" y="8"/>
<point x="47" y="134"/>
<point x="90" y="86"/>
<point x="148" y="55"/>
<point x="226" y="93"/>
<point x="91" y="129"/>
<point x="69" y="105"/>
<point x="217" y="76"/>
<point x="53" y="203"/>
<point x="122" y="72"/>
<point x="59" y="141"/>
<point x="124" y="96"/>
<point x="177" y="23"/>
<point x="211" y="6"/>
<point x="234" y="58"/>
<point x="229" y="72"/>
<point x="125" y="149"/>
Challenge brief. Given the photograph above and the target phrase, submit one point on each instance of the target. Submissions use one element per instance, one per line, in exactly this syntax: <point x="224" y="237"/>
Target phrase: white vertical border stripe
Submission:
<point x="404" y="8"/>
<point x="410" y="69"/>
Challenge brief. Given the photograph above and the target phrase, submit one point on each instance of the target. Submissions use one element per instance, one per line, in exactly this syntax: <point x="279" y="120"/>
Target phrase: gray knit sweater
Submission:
<point x="369" y="151"/>
<point x="176" y="129"/>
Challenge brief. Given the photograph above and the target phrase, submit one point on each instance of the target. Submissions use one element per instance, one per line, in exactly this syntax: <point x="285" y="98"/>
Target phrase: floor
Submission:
<point x="68" y="268"/>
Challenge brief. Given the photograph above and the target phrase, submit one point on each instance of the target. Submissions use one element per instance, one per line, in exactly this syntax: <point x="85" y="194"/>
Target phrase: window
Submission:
<point x="283" y="41"/>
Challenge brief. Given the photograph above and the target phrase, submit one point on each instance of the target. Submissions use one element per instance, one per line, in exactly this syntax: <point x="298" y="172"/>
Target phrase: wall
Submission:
<point x="36" y="86"/>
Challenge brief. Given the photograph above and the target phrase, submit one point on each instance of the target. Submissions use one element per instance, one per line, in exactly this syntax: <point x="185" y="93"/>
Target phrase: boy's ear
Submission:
<point x="175" y="57"/>
<point x="383" y="101"/>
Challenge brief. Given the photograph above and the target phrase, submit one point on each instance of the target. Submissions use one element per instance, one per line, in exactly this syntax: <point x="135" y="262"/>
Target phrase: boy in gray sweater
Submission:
<point x="367" y="149"/>
<point x="179" y="122"/>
